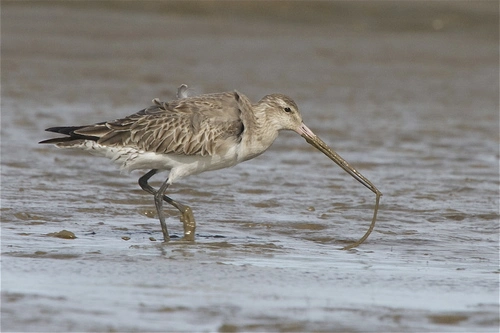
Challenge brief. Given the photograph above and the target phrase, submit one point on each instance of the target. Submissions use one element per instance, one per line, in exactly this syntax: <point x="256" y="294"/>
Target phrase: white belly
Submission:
<point x="180" y="166"/>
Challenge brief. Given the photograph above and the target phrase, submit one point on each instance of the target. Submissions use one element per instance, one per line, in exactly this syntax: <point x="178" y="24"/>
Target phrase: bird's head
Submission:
<point x="282" y="112"/>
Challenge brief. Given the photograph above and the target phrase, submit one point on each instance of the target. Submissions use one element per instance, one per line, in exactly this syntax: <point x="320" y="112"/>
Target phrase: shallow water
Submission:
<point x="412" y="104"/>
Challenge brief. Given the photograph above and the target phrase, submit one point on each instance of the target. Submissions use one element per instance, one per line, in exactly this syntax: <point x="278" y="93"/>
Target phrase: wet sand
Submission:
<point x="408" y="94"/>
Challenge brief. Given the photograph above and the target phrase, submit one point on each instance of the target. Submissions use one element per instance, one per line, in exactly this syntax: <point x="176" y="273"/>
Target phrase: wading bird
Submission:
<point x="191" y="135"/>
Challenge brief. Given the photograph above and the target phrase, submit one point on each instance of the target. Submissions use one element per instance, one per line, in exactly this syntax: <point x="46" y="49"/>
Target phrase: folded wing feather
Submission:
<point x="200" y="125"/>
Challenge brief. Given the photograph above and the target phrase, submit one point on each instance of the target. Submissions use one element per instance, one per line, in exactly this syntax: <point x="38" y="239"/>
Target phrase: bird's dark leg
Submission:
<point x="159" y="209"/>
<point x="143" y="181"/>
<point x="187" y="217"/>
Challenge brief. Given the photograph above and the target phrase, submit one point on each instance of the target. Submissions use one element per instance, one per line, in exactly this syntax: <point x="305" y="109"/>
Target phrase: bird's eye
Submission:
<point x="287" y="109"/>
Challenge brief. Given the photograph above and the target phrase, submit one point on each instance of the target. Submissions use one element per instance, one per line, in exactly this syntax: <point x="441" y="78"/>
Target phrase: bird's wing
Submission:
<point x="201" y="125"/>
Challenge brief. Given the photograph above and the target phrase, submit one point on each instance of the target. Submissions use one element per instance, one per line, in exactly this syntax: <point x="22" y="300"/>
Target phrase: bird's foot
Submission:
<point x="187" y="219"/>
<point x="166" y="237"/>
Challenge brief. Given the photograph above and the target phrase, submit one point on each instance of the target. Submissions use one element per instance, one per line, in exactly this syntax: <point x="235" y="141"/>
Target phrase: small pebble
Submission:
<point x="63" y="234"/>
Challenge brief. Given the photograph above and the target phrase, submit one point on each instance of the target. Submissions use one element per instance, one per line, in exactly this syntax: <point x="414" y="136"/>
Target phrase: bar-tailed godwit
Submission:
<point x="191" y="135"/>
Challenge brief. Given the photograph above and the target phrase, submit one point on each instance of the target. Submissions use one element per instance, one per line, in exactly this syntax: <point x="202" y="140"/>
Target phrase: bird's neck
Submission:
<point x="259" y="135"/>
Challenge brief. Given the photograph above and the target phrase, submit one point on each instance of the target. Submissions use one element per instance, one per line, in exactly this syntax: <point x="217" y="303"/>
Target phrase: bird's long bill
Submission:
<point x="317" y="143"/>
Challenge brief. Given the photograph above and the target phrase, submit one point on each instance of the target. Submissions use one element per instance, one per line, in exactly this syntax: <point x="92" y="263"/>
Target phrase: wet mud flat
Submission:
<point x="411" y="103"/>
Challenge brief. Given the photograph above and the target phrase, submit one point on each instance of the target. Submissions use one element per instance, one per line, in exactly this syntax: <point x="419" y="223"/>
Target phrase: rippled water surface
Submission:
<point x="408" y="95"/>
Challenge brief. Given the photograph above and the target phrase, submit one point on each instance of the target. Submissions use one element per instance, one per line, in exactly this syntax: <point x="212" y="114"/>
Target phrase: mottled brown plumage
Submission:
<point x="187" y="126"/>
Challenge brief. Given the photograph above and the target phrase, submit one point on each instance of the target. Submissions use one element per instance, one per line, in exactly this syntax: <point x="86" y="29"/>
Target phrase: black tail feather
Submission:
<point x="59" y="140"/>
<point x="67" y="130"/>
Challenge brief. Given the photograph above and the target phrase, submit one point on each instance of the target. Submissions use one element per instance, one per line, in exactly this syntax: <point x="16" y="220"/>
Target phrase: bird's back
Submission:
<point x="201" y="125"/>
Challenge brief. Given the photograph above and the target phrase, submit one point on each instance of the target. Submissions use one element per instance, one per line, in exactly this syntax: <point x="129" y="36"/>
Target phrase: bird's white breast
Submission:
<point x="180" y="166"/>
